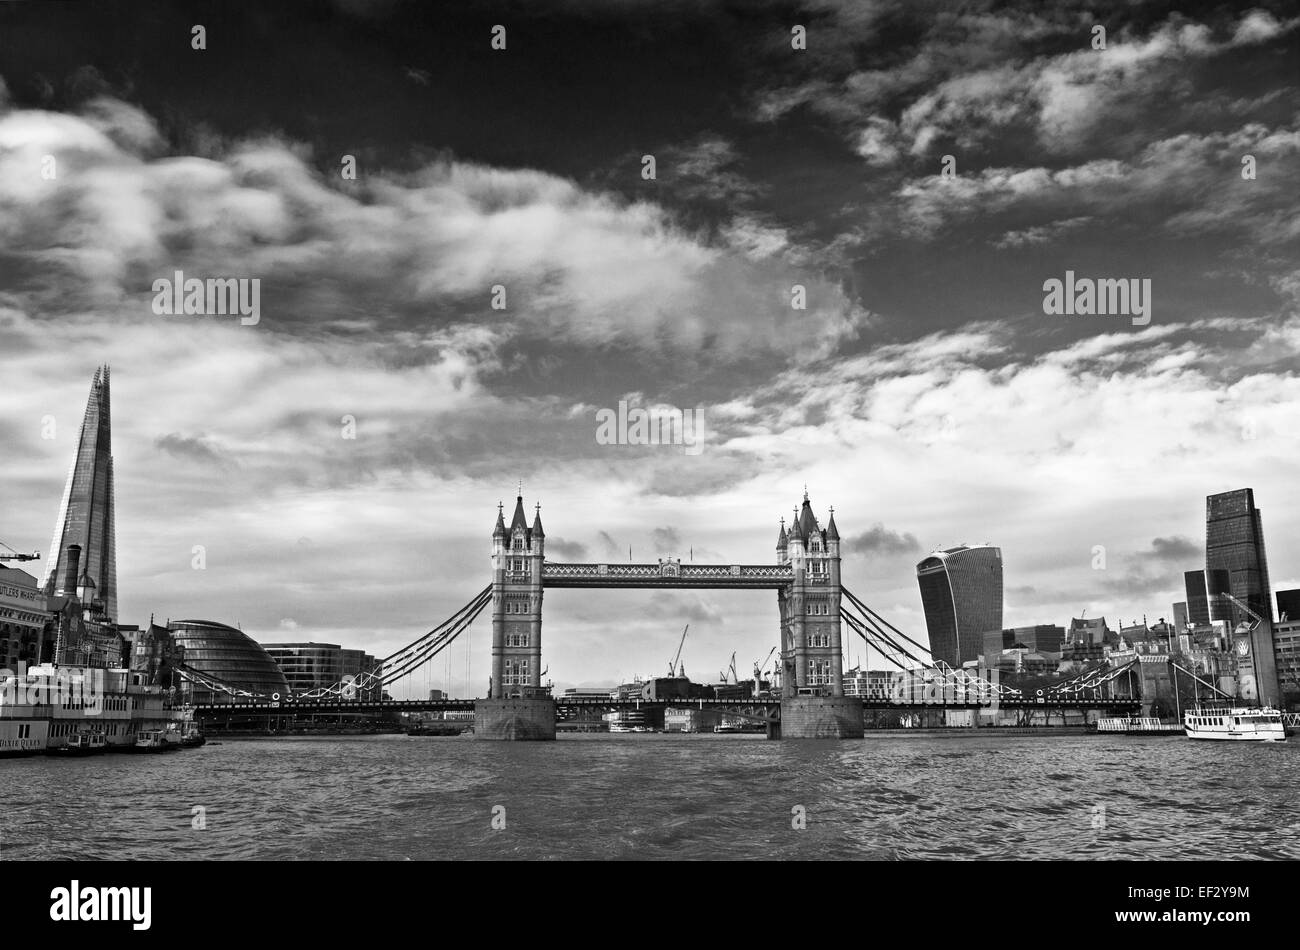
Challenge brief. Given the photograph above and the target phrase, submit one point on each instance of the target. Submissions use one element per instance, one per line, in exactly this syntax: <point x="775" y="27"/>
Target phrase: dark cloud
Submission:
<point x="879" y="540"/>
<point x="192" y="448"/>
<point x="673" y="606"/>
<point x="1176" y="548"/>
<point x="666" y="541"/>
<point x="560" y="550"/>
<point x="612" y="549"/>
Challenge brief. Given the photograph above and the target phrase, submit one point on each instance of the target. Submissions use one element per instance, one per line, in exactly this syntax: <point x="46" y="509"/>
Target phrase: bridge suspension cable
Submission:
<point x="1087" y="681"/>
<point x="869" y="625"/>
<point x="883" y="646"/>
<point x="389" y="670"/>
<point x="206" y="681"/>
<point x="412" y="656"/>
<point x="880" y="621"/>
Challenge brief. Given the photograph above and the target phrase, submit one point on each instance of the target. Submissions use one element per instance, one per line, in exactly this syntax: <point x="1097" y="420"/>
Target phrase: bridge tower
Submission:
<point x="517" y="556"/>
<point x="518" y="707"/>
<point x="811" y="650"/>
<point x="813" y="704"/>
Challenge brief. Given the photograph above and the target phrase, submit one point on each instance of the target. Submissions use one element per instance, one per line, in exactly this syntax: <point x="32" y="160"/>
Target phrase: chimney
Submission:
<point x="70" y="574"/>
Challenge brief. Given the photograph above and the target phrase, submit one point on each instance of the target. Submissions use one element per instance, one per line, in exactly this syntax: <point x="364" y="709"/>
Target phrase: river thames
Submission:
<point x="661" y="797"/>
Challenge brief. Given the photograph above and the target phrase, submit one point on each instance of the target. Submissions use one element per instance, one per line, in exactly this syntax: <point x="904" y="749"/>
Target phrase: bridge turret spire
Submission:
<point x="537" y="523"/>
<point x="520" y="520"/>
<point x="832" y="533"/>
<point x="807" y="520"/>
<point x="500" y="530"/>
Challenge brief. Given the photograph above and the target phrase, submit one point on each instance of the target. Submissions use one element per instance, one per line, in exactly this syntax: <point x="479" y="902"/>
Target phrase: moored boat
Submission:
<point x="157" y="740"/>
<point x="83" y="743"/>
<point x="1235" y="724"/>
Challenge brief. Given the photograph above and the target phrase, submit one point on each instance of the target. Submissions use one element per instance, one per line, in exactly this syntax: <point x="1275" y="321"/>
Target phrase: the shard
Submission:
<point x="86" y="512"/>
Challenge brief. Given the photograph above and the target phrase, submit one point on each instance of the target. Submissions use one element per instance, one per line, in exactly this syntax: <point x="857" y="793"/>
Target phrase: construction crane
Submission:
<point x="1244" y="608"/>
<point x="672" y="665"/>
<point x="758" y="667"/>
<point x="18" y="557"/>
<point x="730" y="673"/>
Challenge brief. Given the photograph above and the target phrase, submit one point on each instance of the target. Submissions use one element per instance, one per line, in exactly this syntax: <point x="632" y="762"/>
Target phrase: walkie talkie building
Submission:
<point x="961" y="592"/>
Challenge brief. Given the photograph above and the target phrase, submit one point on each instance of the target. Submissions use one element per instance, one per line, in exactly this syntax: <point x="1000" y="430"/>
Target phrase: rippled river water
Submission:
<point x="650" y="796"/>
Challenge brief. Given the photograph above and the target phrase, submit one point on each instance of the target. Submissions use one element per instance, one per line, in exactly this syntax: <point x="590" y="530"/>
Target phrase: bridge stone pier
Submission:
<point x="806" y="578"/>
<point x="532" y="718"/>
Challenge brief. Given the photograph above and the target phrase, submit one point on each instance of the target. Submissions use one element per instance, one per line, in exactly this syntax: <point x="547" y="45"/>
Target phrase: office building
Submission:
<point x="995" y="641"/>
<point x="23" y="619"/>
<point x="1288" y="605"/>
<point x="1234" y="545"/>
<point x="85" y="519"/>
<point x="1217" y="583"/>
<point x="587" y="692"/>
<point x="1042" y="638"/>
<point x="1180" y="616"/>
<point x="1198" y="606"/>
<point x="1286" y="652"/>
<point x="356" y="666"/>
<point x="961" y="593"/>
<point x="308" y="666"/>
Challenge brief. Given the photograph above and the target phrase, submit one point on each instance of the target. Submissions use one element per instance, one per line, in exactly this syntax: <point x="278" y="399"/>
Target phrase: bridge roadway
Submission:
<point x="570" y="706"/>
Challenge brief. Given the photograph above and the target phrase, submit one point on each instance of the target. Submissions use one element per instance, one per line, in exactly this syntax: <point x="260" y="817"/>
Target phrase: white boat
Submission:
<point x="628" y="720"/>
<point x="1237" y="724"/>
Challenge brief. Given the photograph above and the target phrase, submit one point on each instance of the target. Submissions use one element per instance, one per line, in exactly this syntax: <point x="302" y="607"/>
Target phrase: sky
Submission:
<point x="922" y="390"/>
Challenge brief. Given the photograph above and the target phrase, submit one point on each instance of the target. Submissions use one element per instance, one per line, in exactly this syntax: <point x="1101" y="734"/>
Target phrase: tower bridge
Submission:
<point x="813" y="611"/>
<point x="805" y="576"/>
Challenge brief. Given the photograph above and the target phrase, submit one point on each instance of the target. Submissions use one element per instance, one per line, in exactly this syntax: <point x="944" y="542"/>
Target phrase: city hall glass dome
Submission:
<point x="228" y="655"/>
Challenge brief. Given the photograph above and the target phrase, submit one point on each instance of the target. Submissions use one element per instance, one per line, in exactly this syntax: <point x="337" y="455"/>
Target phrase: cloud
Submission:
<point x="666" y="540"/>
<point x="879" y="541"/>
<point x="424" y="249"/>
<point x="876" y="141"/>
<point x="612" y="549"/>
<point x="1176" y="549"/>
<point x="566" y="550"/>
<point x="705" y="169"/>
<point x="692" y="607"/>
<point x="971" y="79"/>
<point x="1190" y="184"/>
<point x="186" y="447"/>
<point x="1040" y="234"/>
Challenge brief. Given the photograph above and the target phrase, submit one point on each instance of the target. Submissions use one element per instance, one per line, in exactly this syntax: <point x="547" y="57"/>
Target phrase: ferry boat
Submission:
<point x="1140" y="726"/>
<point x="1237" y="724"/>
<point x="629" y="720"/>
<point x="46" y="707"/>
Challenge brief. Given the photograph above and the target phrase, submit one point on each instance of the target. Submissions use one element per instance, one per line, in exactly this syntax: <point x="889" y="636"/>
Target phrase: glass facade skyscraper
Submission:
<point x="1234" y="553"/>
<point x="1198" y="606"/>
<point x="86" y="511"/>
<point x="961" y="593"/>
